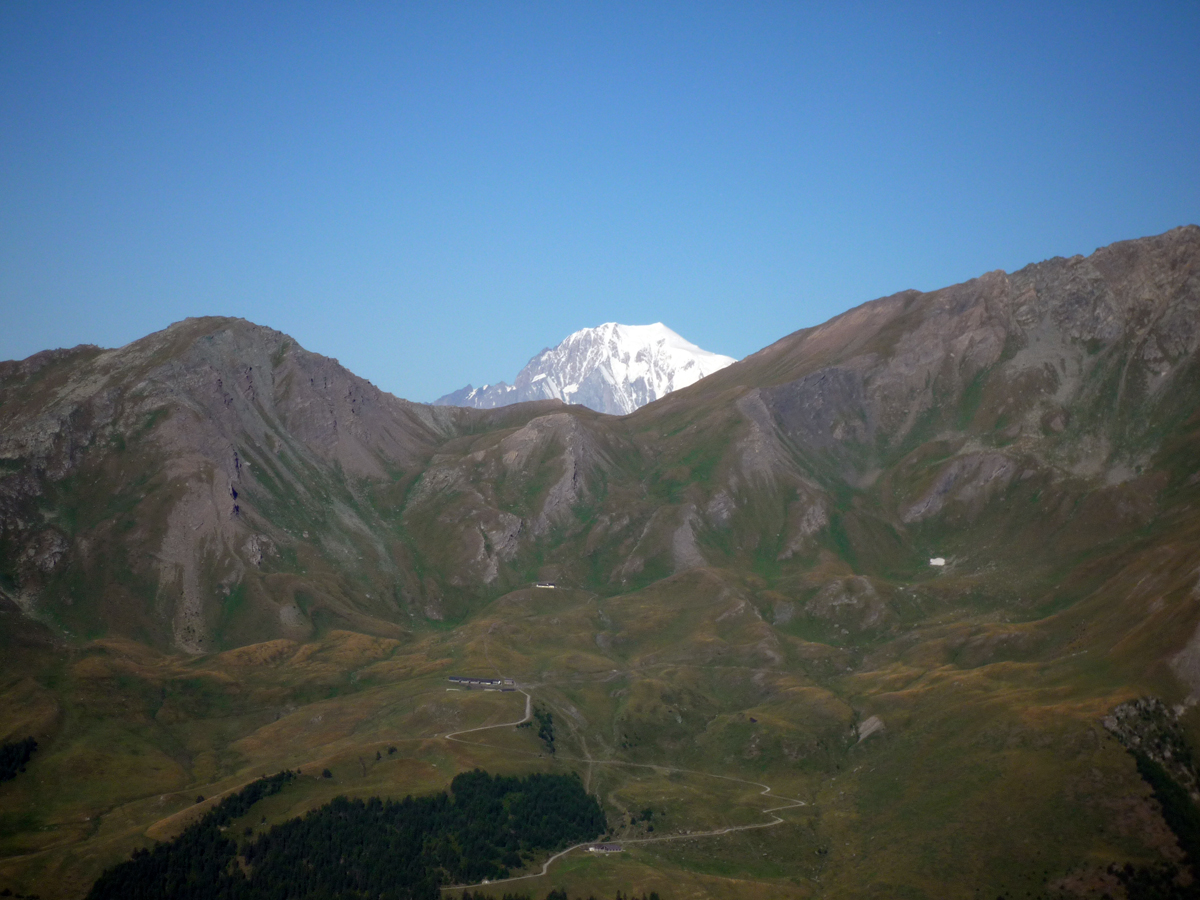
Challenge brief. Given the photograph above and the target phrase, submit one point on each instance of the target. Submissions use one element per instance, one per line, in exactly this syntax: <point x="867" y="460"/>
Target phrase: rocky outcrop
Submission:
<point x="971" y="479"/>
<point x="851" y="603"/>
<point x="1147" y="726"/>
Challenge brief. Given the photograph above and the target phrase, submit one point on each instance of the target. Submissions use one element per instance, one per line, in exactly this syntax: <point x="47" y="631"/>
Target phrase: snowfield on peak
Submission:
<point x="613" y="369"/>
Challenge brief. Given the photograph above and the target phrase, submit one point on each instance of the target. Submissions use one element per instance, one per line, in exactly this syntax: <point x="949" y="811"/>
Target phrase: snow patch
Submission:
<point x="613" y="368"/>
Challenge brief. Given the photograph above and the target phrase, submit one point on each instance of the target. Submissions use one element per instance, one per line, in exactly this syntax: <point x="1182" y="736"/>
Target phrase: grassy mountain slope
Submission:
<point x="222" y="555"/>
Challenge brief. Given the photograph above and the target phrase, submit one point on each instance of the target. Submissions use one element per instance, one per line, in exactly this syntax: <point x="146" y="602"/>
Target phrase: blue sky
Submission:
<point x="433" y="192"/>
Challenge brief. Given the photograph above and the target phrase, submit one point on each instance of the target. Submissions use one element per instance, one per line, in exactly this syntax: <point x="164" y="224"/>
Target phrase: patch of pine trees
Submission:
<point x="545" y="722"/>
<point x="556" y="894"/>
<point x="482" y="828"/>
<point x="13" y="756"/>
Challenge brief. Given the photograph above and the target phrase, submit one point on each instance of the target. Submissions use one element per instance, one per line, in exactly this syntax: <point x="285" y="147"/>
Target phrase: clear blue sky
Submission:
<point x="433" y="192"/>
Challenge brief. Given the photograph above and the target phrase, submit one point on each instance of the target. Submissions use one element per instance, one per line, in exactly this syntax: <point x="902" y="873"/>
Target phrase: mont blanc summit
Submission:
<point x="612" y="369"/>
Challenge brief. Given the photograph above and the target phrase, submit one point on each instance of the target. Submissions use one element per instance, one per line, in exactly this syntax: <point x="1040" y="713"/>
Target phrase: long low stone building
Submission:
<point x="482" y="682"/>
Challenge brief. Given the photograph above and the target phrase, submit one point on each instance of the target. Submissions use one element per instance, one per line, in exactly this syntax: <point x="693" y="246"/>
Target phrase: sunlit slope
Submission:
<point x="743" y="576"/>
<point x="211" y="485"/>
<point x="1027" y="427"/>
<point x="1018" y="424"/>
<point x="991" y="767"/>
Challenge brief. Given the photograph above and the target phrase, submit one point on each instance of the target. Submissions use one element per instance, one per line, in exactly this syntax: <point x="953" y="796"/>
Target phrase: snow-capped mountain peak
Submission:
<point x="612" y="368"/>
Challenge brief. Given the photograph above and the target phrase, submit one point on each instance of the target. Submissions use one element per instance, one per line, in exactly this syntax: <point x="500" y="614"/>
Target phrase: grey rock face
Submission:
<point x="1080" y="350"/>
<point x="203" y="435"/>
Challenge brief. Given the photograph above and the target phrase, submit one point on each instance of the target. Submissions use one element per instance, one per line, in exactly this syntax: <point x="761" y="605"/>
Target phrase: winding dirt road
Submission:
<point x="791" y="803"/>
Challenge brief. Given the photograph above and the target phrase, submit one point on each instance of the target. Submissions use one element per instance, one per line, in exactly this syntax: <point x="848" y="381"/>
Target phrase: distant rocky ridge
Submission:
<point x="215" y="484"/>
<point x="612" y="369"/>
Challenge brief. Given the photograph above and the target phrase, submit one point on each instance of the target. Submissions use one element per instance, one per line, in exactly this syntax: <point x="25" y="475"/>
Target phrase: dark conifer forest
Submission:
<point x="13" y="757"/>
<point x="556" y="894"/>
<point x="354" y="849"/>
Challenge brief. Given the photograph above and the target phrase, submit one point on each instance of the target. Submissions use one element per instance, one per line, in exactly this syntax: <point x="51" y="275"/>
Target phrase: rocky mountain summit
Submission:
<point x="612" y="369"/>
<point x="158" y="441"/>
